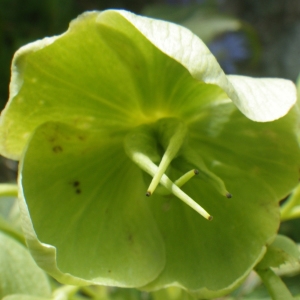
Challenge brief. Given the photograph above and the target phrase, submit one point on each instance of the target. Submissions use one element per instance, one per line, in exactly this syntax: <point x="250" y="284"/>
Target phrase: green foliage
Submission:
<point x="281" y="251"/>
<point x="18" y="271"/>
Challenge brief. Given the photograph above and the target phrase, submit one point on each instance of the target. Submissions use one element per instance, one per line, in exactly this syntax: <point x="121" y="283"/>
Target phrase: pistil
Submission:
<point x="174" y="133"/>
<point x="142" y="145"/>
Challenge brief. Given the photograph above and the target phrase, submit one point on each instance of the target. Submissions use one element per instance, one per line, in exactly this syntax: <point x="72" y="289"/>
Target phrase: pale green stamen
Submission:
<point x="173" y="147"/>
<point x="186" y="177"/>
<point x="204" y="173"/>
<point x="143" y="145"/>
<point x="179" y="182"/>
<point x="148" y="166"/>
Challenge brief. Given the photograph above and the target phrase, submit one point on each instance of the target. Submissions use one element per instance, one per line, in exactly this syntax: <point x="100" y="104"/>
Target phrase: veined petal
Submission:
<point x="114" y="70"/>
<point x="200" y="253"/>
<point x="259" y="99"/>
<point x="94" y="76"/>
<point x="234" y="142"/>
<point x="86" y="202"/>
<point x="262" y="99"/>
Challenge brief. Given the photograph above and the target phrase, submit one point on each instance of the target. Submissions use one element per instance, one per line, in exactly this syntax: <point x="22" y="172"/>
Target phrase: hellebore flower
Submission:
<point x="121" y="106"/>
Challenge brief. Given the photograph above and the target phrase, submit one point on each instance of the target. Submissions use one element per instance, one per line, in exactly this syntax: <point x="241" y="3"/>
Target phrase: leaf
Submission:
<point x="282" y="250"/>
<point x="11" y="230"/>
<point x="18" y="271"/>
<point x="9" y="214"/>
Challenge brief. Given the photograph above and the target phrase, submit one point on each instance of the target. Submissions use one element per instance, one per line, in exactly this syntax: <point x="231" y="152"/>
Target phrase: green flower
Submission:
<point x="121" y="106"/>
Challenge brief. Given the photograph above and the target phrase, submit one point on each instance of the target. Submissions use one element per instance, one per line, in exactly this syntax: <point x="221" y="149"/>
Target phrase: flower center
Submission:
<point x="142" y="146"/>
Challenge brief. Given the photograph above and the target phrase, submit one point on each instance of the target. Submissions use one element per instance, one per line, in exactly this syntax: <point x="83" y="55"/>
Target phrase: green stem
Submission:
<point x="64" y="292"/>
<point x="96" y="292"/>
<point x="275" y="286"/>
<point x="8" y="190"/>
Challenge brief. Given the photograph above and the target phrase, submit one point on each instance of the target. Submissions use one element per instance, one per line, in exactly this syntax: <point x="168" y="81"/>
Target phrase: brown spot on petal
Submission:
<point x="76" y="183"/>
<point x="130" y="238"/>
<point x="52" y="139"/>
<point x="81" y="137"/>
<point x="57" y="149"/>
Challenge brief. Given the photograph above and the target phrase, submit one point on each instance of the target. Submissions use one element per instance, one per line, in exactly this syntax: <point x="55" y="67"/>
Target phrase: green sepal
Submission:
<point x="282" y="250"/>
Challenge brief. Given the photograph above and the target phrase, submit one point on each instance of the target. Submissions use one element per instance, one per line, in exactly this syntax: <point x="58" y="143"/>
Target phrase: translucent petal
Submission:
<point x="86" y="200"/>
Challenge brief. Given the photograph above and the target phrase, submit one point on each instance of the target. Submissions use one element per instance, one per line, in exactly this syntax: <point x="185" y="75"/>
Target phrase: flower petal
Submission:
<point x="93" y="76"/>
<point x="212" y="258"/>
<point x="259" y="99"/>
<point x="114" y="70"/>
<point x="199" y="253"/>
<point x="87" y="205"/>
